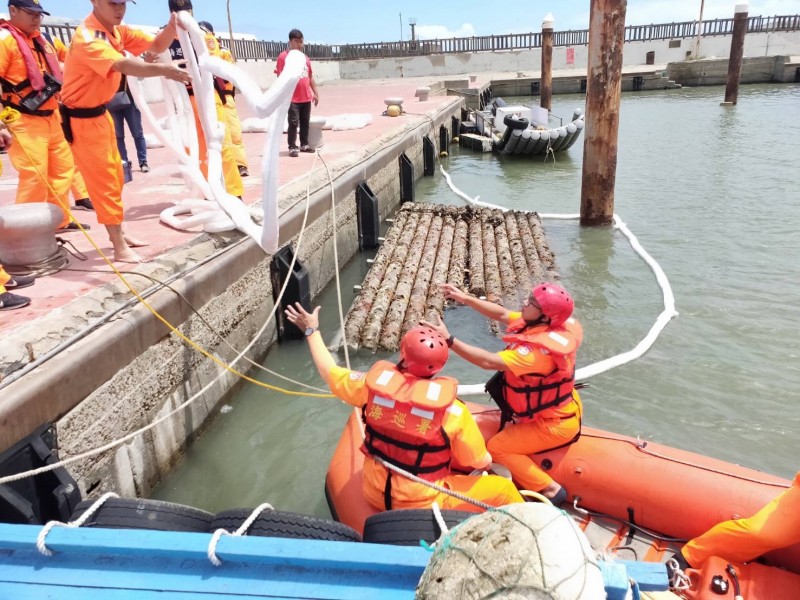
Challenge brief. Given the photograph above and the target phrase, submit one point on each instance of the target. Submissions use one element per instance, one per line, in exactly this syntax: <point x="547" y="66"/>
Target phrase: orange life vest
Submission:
<point x="403" y="418"/>
<point x="35" y="81"/>
<point x="527" y="395"/>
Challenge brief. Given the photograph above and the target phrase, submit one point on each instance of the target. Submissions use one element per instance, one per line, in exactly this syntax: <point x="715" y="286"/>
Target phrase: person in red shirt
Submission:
<point x="304" y="94"/>
<point x="93" y="70"/>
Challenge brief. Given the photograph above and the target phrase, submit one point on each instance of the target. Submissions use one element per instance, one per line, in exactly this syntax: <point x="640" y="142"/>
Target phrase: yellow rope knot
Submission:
<point x="9" y="115"/>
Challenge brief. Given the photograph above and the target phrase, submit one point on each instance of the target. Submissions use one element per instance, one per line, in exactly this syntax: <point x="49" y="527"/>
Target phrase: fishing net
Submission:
<point x="525" y="551"/>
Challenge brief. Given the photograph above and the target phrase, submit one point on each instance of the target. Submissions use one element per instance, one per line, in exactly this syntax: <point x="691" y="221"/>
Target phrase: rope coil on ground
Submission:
<point x="40" y="539"/>
<point x="212" y="545"/>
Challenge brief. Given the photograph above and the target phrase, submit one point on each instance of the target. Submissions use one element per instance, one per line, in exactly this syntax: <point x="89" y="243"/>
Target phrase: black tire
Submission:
<point x="277" y="523"/>
<point x="408" y="527"/>
<point x="516" y="122"/>
<point x="153" y="515"/>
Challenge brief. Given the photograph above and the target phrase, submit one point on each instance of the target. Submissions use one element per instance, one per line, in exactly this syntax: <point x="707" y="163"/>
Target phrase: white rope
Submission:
<point x="212" y="545"/>
<point x="336" y="263"/>
<point x="437" y="514"/>
<point x="40" y="539"/>
<point x="680" y="581"/>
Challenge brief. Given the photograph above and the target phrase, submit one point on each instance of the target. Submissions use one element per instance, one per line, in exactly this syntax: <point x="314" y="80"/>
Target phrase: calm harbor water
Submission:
<point x="712" y="193"/>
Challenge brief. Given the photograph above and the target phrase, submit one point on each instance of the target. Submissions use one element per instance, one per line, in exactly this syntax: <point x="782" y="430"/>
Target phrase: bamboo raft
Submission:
<point x="491" y="253"/>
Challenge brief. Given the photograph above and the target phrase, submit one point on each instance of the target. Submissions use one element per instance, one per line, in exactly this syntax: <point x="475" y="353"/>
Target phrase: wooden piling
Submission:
<point x="603" y="88"/>
<point x="546" y="84"/>
<point x="737" y="53"/>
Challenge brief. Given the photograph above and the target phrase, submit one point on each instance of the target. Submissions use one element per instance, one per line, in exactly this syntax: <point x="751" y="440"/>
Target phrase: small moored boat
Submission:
<point x="521" y="130"/>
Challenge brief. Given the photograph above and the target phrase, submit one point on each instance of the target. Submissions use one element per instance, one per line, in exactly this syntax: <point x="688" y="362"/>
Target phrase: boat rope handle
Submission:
<point x="212" y="545"/>
<point x="40" y="539"/>
<point x="680" y="581"/>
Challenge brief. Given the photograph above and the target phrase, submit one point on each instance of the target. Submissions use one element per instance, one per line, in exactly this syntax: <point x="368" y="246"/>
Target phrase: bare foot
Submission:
<point x="127" y="256"/>
<point x="133" y="242"/>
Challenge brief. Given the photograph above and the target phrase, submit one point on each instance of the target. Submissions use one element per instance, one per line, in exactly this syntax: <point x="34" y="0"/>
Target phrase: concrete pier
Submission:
<point x="90" y="357"/>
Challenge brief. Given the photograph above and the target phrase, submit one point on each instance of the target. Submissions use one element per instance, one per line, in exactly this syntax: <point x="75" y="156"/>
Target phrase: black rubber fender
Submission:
<point x="516" y="122"/>
<point x="152" y="515"/>
<point x="278" y="523"/>
<point x="408" y="526"/>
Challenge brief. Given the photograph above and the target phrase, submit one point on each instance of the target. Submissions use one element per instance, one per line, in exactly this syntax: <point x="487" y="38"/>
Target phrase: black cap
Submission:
<point x="206" y="25"/>
<point x="179" y="5"/>
<point x="29" y="5"/>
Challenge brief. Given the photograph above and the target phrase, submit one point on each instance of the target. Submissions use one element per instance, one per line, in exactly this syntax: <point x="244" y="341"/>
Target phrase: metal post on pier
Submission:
<point x="603" y="89"/>
<point x="546" y="87"/>
<point x="737" y="52"/>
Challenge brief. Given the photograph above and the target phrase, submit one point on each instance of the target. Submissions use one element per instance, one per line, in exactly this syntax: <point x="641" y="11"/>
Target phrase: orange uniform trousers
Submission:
<point x="234" y="125"/>
<point x="490" y="489"/>
<point x="775" y="526"/>
<point x="78" y="187"/>
<point x="97" y="158"/>
<point x="512" y="446"/>
<point x="4" y="279"/>
<point x="42" y="157"/>
<point x="230" y="170"/>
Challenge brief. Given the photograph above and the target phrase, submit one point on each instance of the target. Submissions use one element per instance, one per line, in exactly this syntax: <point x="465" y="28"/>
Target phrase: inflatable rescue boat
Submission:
<point x="635" y="500"/>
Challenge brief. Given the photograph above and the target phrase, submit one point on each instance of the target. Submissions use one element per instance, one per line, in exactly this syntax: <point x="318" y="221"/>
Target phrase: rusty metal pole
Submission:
<point x="603" y="88"/>
<point x="737" y="52"/>
<point x="546" y="86"/>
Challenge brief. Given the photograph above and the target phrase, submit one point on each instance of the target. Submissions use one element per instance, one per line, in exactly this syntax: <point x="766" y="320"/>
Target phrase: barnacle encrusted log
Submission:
<point x="395" y="317"/>
<point x="418" y="302"/>
<point x="369" y="337"/>
<point x="492" y="253"/>
<point x="434" y="306"/>
<point x="459" y="254"/>
<point x="535" y="267"/>
<point x="362" y="304"/>
<point x="546" y="255"/>
<point x="517" y="256"/>
<point x="508" y="277"/>
<point x="477" y="284"/>
<point x="491" y="274"/>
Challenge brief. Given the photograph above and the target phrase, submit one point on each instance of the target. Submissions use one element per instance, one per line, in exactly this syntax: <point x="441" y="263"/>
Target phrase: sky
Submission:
<point x="348" y="22"/>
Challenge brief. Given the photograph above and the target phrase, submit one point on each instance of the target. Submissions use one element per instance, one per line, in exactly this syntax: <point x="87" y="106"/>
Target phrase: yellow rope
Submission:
<point x="9" y="115"/>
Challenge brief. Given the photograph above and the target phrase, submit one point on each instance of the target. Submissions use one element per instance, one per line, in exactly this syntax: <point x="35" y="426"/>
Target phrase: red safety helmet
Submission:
<point x="557" y="305"/>
<point x="423" y="351"/>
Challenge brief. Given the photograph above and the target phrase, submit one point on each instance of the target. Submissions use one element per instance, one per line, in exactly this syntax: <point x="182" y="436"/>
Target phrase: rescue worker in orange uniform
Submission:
<point x="230" y="170"/>
<point x="228" y="93"/>
<point x="78" y="188"/>
<point x="775" y="526"/>
<point x="535" y="383"/>
<point x="92" y="74"/>
<point x="412" y="421"/>
<point x="31" y="78"/>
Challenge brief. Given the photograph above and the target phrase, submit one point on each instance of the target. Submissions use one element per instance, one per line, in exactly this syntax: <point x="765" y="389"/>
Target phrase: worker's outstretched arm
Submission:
<point x="486" y="308"/>
<point x="320" y="354"/>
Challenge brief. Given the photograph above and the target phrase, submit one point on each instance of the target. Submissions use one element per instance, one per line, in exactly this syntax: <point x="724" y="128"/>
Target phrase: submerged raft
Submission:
<point x="493" y="254"/>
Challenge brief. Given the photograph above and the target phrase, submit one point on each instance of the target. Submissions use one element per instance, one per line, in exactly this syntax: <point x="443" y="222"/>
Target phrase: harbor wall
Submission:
<point x="153" y="372"/>
<point x="529" y="61"/>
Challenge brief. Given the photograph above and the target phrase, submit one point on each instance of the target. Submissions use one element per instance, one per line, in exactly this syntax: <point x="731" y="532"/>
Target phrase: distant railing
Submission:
<point x="261" y="50"/>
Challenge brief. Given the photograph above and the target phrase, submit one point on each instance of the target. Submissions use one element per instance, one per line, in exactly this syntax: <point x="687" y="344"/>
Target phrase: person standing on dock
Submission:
<point x="413" y="422"/>
<point x="535" y="381"/>
<point x="304" y="94"/>
<point x="93" y="69"/>
<point x="31" y="78"/>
